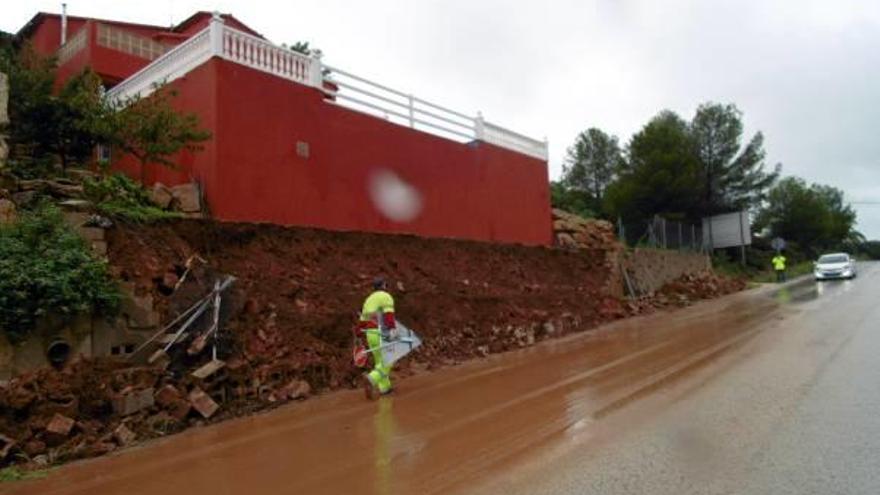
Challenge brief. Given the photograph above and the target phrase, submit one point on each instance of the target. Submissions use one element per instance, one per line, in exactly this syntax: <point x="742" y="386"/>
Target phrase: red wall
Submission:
<point x="475" y="191"/>
<point x="197" y="94"/>
<point x="251" y="172"/>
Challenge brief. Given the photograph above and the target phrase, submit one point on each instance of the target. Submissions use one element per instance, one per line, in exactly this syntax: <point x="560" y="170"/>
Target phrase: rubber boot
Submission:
<point x="371" y="392"/>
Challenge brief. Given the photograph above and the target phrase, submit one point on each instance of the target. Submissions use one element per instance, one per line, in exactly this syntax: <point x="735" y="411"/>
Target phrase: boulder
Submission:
<point x="8" y="212"/>
<point x="187" y="197"/>
<point x="161" y="195"/>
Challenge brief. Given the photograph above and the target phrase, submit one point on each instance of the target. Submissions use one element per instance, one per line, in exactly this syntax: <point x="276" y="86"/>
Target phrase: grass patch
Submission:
<point x="13" y="473"/>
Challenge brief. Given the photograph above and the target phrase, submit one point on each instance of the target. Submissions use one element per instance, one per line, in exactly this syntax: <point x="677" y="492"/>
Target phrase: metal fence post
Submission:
<point x="663" y="223"/>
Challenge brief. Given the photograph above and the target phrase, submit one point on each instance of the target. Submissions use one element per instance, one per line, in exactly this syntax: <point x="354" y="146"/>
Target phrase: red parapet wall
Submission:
<point x="252" y="170"/>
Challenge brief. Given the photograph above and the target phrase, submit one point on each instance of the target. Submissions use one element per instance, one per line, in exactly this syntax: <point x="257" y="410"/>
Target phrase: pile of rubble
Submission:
<point x="691" y="288"/>
<point x="574" y="232"/>
<point x="96" y="406"/>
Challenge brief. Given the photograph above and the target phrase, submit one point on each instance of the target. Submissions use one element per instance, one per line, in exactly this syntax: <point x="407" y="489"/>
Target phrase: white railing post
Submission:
<point x="316" y="69"/>
<point x="216" y="34"/>
<point x="412" y="111"/>
<point x="480" y="127"/>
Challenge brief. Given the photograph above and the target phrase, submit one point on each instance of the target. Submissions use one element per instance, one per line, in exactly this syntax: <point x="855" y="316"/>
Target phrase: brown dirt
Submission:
<point x="289" y="331"/>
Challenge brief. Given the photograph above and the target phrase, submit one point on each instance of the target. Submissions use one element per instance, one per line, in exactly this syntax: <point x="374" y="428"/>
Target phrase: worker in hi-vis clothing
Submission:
<point x="377" y="323"/>
<point x="779" y="266"/>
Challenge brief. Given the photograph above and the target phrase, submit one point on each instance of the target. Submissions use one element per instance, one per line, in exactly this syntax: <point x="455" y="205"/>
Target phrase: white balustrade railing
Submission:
<point x="74" y="45"/>
<point x="343" y="88"/>
<point x="257" y="53"/>
<point x="177" y="62"/>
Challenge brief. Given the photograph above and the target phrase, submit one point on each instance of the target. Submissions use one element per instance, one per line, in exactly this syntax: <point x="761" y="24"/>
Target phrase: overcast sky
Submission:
<point x="805" y="72"/>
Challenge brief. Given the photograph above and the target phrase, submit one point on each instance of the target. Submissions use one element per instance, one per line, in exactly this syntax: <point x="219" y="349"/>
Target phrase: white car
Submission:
<point x="835" y="265"/>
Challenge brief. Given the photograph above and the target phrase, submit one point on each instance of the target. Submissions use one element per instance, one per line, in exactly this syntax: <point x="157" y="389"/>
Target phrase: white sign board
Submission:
<point x="727" y="230"/>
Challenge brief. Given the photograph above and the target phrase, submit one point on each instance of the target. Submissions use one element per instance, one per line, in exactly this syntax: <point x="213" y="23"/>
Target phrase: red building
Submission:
<point x="297" y="142"/>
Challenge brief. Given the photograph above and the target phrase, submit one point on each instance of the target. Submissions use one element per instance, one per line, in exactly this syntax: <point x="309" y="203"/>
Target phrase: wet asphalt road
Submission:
<point x="796" y="410"/>
<point x="767" y="391"/>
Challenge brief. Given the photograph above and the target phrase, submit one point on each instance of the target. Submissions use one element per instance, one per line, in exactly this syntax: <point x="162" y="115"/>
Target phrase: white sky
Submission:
<point x="805" y="72"/>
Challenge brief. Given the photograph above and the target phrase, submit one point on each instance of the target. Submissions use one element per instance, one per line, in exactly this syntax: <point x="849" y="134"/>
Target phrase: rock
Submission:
<point x="41" y="460"/>
<point x="101" y="448"/>
<point x="91" y="234"/>
<point x="60" y="425"/>
<point x="187" y="197"/>
<point x="6" y="445"/>
<point x="566" y="240"/>
<point x="208" y="369"/>
<point x="8" y="213"/>
<point x="203" y="403"/>
<point x="80" y="174"/>
<point x="4" y="99"/>
<point x="76" y="204"/>
<point x="297" y="389"/>
<point x="133" y="401"/>
<point x="139" y="310"/>
<point x="76" y="219"/>
<point x="123" y="435"/>
<point x="34" y="448"/>
<point x="24" y="198"/>
<point x="161" y="195"/>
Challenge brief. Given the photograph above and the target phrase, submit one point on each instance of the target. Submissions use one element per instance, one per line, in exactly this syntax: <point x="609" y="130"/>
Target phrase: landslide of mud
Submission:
<point x="288" y="320"/>
<point x="300" y="288"/>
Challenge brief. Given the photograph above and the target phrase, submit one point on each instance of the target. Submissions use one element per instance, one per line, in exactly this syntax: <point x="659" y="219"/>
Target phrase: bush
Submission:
<point x="46" y="267"/>
<point x="120" y="197"/>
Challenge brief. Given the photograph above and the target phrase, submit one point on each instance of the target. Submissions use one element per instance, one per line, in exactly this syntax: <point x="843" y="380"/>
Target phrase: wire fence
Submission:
<point x="662" y="234"/>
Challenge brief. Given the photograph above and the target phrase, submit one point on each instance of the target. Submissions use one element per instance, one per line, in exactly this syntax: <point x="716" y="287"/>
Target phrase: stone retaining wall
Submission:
<point x="651" y="269"/>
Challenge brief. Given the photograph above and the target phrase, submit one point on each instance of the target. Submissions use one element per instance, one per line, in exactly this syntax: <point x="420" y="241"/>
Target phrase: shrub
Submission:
<point x="46" y="267"/>
<point x="120" y="197"/>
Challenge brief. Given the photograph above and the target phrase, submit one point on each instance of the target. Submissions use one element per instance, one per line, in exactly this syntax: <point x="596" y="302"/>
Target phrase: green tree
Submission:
<point x="815" y="216"/>
<point x="661" y="176"/>
<point x="45" y="267"/>
<point x="48" y="127"/>
<point x="732" y="176"/>
<point x="31" y="109"/>
<point x="151" y="130"/>
<point x="591" y="164"/>
<point x="569" y="200"/>
<point x="301" y="47"/>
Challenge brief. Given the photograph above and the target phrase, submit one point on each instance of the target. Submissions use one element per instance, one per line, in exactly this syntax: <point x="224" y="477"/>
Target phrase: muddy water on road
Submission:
<point x="440" y="431"/>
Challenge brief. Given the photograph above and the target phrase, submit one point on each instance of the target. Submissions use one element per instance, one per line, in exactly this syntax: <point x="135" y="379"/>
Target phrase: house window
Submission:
<point x="103" y="153"/>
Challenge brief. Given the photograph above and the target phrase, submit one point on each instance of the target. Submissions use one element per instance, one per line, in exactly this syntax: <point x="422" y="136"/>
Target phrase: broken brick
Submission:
<point x="208" y="369"/>
<point x="123" y="435"/>
<point x="132" y="402"/>
<point x="179" y="409"/>
<point x="60" y="425"/>
<point x="167" y="396"/>
<point x="203" y="403"/>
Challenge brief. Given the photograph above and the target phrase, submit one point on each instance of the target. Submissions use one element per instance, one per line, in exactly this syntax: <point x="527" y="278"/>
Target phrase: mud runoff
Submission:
<point x="440" y="432"/>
